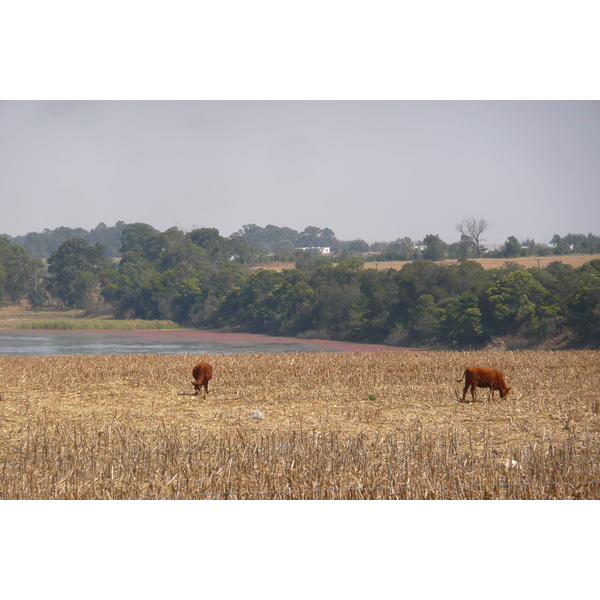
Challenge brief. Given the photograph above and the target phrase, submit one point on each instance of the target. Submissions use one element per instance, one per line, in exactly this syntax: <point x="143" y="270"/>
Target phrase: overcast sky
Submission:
<point x="375" y="170"/>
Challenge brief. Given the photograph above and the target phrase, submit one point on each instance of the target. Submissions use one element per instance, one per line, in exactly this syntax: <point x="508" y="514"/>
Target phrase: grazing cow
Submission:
<point x="202" y="374"/>
<point x="483" y="377"/>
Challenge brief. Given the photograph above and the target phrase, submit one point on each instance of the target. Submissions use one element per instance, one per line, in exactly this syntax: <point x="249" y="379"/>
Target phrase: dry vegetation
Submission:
<point x="22" y="317"/>
<point x="528" y="262"/>
<point x="299" y="426"/>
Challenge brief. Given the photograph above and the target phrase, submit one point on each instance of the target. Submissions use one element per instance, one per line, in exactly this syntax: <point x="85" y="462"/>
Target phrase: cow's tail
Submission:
<point x="463" y="376"/>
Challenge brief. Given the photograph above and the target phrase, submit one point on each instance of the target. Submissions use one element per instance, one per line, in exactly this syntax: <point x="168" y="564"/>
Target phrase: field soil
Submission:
<point x="528" y="262"/>
<point x="301" y="425"/>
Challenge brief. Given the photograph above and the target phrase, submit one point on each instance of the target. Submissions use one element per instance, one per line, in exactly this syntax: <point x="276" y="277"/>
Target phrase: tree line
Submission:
<point x="279" y="243"/>
<point x="202" y="279"/>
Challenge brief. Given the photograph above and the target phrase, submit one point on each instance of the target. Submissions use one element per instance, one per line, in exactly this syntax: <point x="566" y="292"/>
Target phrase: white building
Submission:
<point x="321" y="249"/>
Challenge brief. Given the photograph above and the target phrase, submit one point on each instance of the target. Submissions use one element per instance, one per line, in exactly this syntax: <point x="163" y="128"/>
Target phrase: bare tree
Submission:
<point x="473" y="228"/>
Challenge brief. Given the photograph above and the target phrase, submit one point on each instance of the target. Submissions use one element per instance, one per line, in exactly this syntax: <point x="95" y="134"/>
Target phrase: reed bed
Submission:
<point x="299" y="426"/>
<point x="97" y="324"/>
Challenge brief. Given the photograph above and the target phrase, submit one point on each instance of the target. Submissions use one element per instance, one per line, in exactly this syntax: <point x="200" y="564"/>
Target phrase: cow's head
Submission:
<point x="504" y="392"/>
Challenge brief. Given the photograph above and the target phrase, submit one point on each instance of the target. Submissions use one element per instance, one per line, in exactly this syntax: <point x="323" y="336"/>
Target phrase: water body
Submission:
<point x="17" y="342"/>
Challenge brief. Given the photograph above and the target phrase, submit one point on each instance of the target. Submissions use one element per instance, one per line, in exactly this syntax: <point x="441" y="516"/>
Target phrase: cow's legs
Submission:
<point x="465" y="391"/>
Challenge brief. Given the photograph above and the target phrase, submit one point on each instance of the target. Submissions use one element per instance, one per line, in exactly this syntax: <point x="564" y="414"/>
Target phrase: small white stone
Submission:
<point x="508" y="463"/>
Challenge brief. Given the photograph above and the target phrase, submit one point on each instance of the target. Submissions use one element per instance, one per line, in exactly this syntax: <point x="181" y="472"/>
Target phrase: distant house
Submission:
<point x="555" y="245"/>
<point x="321" y="249"/>
<point x="491" y="247"/>
<point x="551" y="245"/>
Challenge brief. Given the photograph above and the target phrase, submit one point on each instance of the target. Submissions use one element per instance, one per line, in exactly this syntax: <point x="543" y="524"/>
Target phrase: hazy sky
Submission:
<point x="375" y="170"/>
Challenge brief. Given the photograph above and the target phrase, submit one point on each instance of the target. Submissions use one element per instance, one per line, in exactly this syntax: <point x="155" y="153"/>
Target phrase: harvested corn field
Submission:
<point x="299" y="426"/>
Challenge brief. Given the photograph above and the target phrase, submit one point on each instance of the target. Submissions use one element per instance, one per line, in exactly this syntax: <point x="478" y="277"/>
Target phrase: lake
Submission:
<point x="20" y="342"/>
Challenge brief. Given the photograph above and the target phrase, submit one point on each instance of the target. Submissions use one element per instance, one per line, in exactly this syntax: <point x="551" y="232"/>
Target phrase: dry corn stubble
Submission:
<point x="336" y="425"/>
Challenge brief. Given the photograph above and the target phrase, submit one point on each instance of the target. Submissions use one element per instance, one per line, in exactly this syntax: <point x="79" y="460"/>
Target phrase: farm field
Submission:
<point x="377" y="425"/>
<point x="528" y="262"/>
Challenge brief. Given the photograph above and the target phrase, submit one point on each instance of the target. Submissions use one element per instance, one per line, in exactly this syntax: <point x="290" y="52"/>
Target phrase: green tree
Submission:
<point x="358" y="246"/>
<point x="461" y="320"/>
<point x="18" y="270"/>
<point x="209" y="239"/>
<point x="347" y="271"/>
<point x="336" y="309"/>
<point x="312" y="260"/>
<point x="2" y="283"/>
<point x="425" y="320"/>
<point x="109" y="237"/>
<point x="464" y="276"/>
<point x="560" y="282"/>
<point x="172" y="237"/>
<point x="189" y="296"/>
<point x="560" y="246"/>
<point x="514" y="301"/>
<point x="73" y="268"/>
<point x="244" y="303"/>
<point x="240" y="250"/>
<point x="216" y="280"/>
<point x="289" y="304"/>
<point x="314" y="237"/>
<point x="466" y="248"/>
<point x="413" y="281"/>
<point x="401" y="249"/>
<point x="133" y="271"/>
<point x="435" y="248"/>
<point x="42" y="245"/>
<point x="511" y="248"/>
<point x="378" y="294"/>
<point x="183" y="253"/>
<point x="37" y="295"/>
<point x="583" y="310"/>
<point x="270" y="238"/>
<point x="143" y="239"/>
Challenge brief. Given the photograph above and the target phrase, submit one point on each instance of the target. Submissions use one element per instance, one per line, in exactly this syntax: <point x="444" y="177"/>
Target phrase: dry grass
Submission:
<point x="22" y="317"/>
<point x="346" y="425"/>
<point x="528" y="262"/>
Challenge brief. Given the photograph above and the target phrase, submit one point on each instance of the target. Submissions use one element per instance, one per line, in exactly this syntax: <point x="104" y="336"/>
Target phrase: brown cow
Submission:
<point x="202" y="374"/>
<point x="484" y="377"/>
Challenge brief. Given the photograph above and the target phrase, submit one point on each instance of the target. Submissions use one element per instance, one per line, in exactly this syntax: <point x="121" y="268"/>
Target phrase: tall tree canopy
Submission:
<point x="74" y="268"/>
